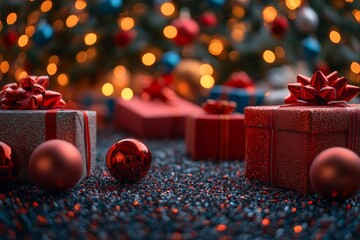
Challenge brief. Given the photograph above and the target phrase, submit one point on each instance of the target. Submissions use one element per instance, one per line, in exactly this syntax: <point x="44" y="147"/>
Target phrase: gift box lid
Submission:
<point x="307" y="119"/>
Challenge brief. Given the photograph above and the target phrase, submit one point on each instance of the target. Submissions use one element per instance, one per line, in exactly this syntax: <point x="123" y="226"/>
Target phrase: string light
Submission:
<point x="167" y="9"/>
<point x="63" y="79"/>
<point x="80" y="5"/>
<point x="4" y="66"/>
<point x="126" y="23"/>
<point x="11" y="18"/>
<point x="81" y="57"/>
<point x="206" y="69"/>
<point x="297" y="229"/>
<point x="90" y="39"/>
<point x="170" y="32"/>
<point x="355" y="67"/>
<point x="107" y="89"/>
<point x="216" y="47"/>
<point x="127" y="94"/>
<point x="148" y="59"/>
<point x="269" y="14"/>
<point x="23" y="40"/>
<point x="51" y="68"/>
<point x="46" y="6"/>
<point x="293" y="4"/>
<point x="335" y="36"/>
<point x="269" y="56"/>
<point x="71" y="21"/>
<point x="207" y="81"/>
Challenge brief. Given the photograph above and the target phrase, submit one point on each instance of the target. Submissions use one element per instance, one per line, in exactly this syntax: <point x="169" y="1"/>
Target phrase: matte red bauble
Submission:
<point x="128" y="160"/>
<point x="279" y="27"/>
<point x="56" y="166"/>
<point x="8" y="165"/>
<point x="187" y="30"/>
<point x="335" y="174"/>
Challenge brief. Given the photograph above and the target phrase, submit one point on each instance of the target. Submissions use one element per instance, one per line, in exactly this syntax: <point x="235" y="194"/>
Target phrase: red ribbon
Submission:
<point x="240" y="80"/>
<point x="157" y="89"/>
<point x="51" y="133"/>
<point x="321" y="90"/>
<point x="219" y="106"/>
<point x="30" y="94"/>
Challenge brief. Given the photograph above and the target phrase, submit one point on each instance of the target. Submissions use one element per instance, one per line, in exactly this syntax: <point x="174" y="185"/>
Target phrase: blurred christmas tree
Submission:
<point x="83" y="43"/>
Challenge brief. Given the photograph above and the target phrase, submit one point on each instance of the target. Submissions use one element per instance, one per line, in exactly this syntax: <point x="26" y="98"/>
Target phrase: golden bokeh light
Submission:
<point x="30" y="30"/>
<point x="148" y="59"/>
<point x="80" y="4"/>
<point x="216" y="47"/>
<point x="91" y="53"/>
<point x="335" y="36"/>
<point x="51" y="68"/>
<point x="107" y="89"/>
<point x="4" y="66"/>
<point x="356" y="14"/>
<point x="81" y="57"/>
<point x="269" y="56"/>
<point x="90" y="39"/>
<point x="11" y="18"/>
<point x="54" y="59"/>
<point x="23" y="40"/>
<point x="20" y="73"/>
<point x="127" y="94"/>
<point x="63" y="79"/>
<point x="126" y="23"/>
<point x="46" y="6"/>
<point x="58" y="25"/>
<point x="293" y="4"/>
<point x="355" y="67"/>
<point x="71" y="21"/>
<point x="167" y="9"/>
<point x="280" y="52"/>
<point x="238" y="34"/>
<point x="269" y="14"/>
<point x="170" y="32"/>
<point x="206" y="69"/>
<point x="207" y="81"/>
<point x="119" y="71"/>
<point x="238" y="11"/>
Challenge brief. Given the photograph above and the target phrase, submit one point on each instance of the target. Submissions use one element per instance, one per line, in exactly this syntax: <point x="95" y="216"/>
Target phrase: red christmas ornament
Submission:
<point x="187" y="30"/>
<point x="279" y="27"/>
<point x="240" y="80"/>
<point x="10" y="38"/>
<point x="124" y="38"/>
<point x="208" y="19"/>
<point x="8" y="166"/>
<point x="128" y="160"/>
<point x="335" y="174"/>
<point x="56" y="166"/>
<point x="219" y="106"/>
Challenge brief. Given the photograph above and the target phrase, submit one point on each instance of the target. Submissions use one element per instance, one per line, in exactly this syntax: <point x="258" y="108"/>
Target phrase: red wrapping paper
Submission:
<point x="155" y="118"/>
<point x="282" y="141"/>
<point x="214" y="136"/>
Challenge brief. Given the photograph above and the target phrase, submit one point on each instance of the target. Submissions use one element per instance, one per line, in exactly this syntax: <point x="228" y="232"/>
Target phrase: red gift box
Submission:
<point x="215" y="136"/>
<point x="282" y="141"/>
<point x="155" y="118"/>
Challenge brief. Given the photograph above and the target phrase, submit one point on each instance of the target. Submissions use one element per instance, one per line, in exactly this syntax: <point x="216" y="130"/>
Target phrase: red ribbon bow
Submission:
<point x="30" y="94"/>
<point x="240" y="80"/>
<point x="321" y="89"/>
<point x="219" y="106"/>
<point x="157" y="90"/>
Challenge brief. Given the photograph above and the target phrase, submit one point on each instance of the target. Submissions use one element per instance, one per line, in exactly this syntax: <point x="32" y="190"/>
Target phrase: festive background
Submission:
<point x="100" y="54"/>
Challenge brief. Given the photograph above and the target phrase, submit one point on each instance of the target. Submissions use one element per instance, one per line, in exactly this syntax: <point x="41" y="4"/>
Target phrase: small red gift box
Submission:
<point x="215" y="136"/>
<point x="155" y="118"/>
<point x="282" y="141"/>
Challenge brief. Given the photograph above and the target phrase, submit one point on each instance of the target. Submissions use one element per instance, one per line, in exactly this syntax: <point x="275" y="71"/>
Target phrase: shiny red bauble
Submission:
<point x="279" y="27"/>
<point x="8" y="165"/>
<point x="56" y="166"/>
<point x="335" y="174"/>
<point x="128" y="160"/>
<point x="187" y="30"/>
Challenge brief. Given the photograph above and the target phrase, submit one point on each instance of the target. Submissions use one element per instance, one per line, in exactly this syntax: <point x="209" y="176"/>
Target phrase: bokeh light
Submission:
<point x="216" y="47"/>
<point x="148" y="59"/>
<point x="355" y="67"/>
<point x="90" y="39"/>
<point x="126" y="23"/>
<point x="11" y="18"/>
<point x="23" y="40"/>
<point x="293" y="4"/>
<point x="107" y="89"/>
<point x="269" y="14"/>
<point x="51" y="68"/>
<point x="207" y="81"/>
<point x="46" y="6"/>
<point x="170" y="32"/>
<point x="335" y="36"/>
<point x="269" y="56"/>
<point x="206" y="69"/>
<point x="71" y="21"/>
<point x="80" y="4"/>
<point x="4" y="66"/>
<point x="127" y="94"/>
<point x="63" y="79"/>
<point x="167" y="9"/>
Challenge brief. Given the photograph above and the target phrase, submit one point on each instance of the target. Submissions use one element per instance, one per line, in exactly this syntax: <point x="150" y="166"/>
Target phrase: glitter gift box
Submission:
<point x="215" y="136"/>
<point x="243" y="97"/>
<point x="155" y="118"/>
<point x="282" y="141"/>
<point x="24" y="130"/>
